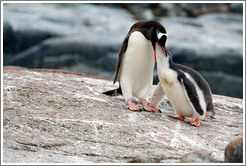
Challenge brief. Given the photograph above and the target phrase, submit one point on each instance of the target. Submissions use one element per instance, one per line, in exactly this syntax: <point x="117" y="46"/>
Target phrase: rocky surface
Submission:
<point x="234" y="151"/>
<point x="85" y="37"/>
<point x="53" y="116"/>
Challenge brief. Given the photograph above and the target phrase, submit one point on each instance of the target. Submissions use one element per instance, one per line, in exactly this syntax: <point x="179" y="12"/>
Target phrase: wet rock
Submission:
<point x="203" y="45"/>
<point x="145" y="15"/>
<point x="197" y="9"/>
<point x="219" y="80"/>
<point x="30" y="23"/>
<point x="84" y="46"/>
<point x="236" y="7"/>
<point x="177" y="9"/>
<point x="54" y="116"/>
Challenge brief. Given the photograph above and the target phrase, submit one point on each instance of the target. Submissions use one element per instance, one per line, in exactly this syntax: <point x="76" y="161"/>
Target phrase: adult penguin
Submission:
<point x="136" y="62"/>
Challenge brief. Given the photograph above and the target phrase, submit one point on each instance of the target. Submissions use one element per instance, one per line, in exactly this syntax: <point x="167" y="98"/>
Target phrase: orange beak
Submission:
<point x="161" y="48"/>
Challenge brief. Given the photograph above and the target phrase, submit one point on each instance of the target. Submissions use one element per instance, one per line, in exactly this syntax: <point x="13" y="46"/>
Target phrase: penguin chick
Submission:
<point x="187" y="91"/>
<point x="136" y="62"/>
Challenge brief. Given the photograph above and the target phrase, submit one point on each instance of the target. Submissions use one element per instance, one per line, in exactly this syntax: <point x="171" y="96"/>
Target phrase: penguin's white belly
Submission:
<point x="136" y="74"/>
<point x="176" y="94"/>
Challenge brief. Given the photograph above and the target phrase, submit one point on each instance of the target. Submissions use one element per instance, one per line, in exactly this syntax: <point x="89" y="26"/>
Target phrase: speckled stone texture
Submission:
<point x="53" y="116"/>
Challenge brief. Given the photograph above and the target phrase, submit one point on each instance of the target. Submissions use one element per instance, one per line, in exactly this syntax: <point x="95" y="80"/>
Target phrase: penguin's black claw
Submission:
<point x="159" y="111"/>
<point x="140" y="110"/>
<point x="194" y="125"/>
<point x="147" y="110"/>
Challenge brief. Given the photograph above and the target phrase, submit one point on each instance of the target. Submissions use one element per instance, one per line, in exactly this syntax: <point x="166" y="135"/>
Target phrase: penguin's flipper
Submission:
<point x="121" y="53"/>
<point x="191" y="94"/>
<point x="193" y="97"/>
<point x="157" y="96"/>
<point x="114" y="92"/>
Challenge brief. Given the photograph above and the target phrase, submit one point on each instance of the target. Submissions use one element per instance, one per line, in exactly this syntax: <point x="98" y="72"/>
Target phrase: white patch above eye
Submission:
<point x="160" y="35"/>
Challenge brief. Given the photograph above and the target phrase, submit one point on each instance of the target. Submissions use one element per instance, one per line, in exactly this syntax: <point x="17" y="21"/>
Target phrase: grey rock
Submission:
<point x="206" y="36"/>
<point x="198" y="157"/>
<point x="53" y="116"/>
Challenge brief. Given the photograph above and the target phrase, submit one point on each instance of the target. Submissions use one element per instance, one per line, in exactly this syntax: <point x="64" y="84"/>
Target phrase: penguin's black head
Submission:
<point x="158" y="34"/>
<point x="152" y="31"/>
<point x="161" y="38"/>
<point x="161" y="41"/>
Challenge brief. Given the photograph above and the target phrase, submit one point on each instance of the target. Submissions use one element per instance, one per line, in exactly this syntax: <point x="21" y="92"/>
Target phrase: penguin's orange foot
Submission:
<point x="151" y="109"/>
<point x="132" y="106"/>
<point x="148" y="108"/>
<point x="180" y="117"/>
<point x="196" y="122"/>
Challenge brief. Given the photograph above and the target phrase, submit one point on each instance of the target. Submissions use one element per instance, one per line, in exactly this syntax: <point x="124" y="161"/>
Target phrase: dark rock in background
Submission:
<point x="86" y="37"/>
<point x="236" y="8"/>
